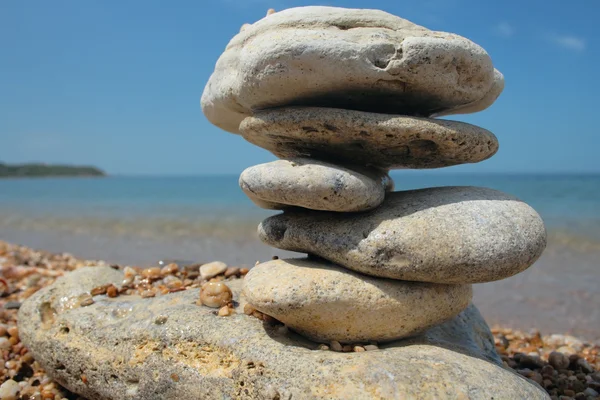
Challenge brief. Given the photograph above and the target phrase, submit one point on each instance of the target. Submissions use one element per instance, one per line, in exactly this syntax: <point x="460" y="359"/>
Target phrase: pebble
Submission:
<point x="169" y="269"/>
<point x="12" y="305"/>
<point x="129" y="272"/>
<point x="591" y="393"/>
<point x="215" y="294"/>
<point x="112" y="291"/>
<point x="358" y="349"/>
<point x="335" y="345"/>
<point x="232" y="271"/>
<point x="151" y="273"/>
<point x="224" y="311"/>
<point x="558" y="360"/>
<point x="212" y="269"/>
<point x="356" y="59"/>
<point x="9" y="390"/>
<point x="13" y="331"/>
<point x="371" y="347"/>
<point x="4" y="343"/>
<point x="584" y="365"/>
<point x="87" y="301"/>
<point x="486" y="235"/>
<point x="296" y="292"/>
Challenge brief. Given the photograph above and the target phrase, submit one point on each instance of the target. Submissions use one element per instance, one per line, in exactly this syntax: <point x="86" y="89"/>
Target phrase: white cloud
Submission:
<point x="569" y="42"/>
<point x="504" y="29"/>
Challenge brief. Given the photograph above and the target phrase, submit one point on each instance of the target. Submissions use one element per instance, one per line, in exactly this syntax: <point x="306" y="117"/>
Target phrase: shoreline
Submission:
<point x="557" y="294"/>
<point x="26" y="270"/>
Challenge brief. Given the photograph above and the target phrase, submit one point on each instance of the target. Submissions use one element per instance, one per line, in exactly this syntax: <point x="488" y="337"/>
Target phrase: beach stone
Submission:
<point x="212" y="269"/>
<point x="364" y="138"/>
<point x="345" y="58"/>
<point x="315" y="185"/>
<point x="441" y="235"/>
<point x="196" y="354"/>
<point x="325" y="302"/>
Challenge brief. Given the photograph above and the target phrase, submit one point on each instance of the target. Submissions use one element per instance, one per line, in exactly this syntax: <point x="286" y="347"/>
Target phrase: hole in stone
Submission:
<point x="47" y="313"/>
<point x="343" y="27"/>
<point x="381" y="63"/>
<point x="309" y="129"/>
<point x="422" y="148"/>
<point x="64" y="329"/>
<point x="330" y="127"/>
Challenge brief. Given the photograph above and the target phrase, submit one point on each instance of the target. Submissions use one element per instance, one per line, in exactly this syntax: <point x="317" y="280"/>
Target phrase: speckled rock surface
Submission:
<point x="314" y="185"/>
<point x="325" y="302"/>
<point x="364" y="138"/>
<point x="347" y="58"/>
<point x="443" y="235"/>
<point x="193" y="354"/>
<point x="482" y="104"/>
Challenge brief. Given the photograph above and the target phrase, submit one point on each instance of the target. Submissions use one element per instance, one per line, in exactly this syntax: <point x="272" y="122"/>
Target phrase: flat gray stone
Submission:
<point x="364" y="138"/>
<point x="315" y="185"/>
<point x="441" y="235"/>
<point x="346" y="58"/>
<point x="127" y="349"/>
<point x="325" y="302"/>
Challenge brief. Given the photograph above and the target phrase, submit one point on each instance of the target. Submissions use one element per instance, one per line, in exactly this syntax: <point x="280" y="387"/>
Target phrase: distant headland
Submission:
<point x="46" y="170"/>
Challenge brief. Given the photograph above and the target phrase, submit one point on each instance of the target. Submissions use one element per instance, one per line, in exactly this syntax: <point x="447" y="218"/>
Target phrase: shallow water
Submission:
<point x="140" y="220"/>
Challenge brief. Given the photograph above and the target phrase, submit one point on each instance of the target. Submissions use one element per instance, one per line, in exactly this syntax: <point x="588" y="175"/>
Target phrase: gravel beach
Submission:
<point x="566" y="366"/>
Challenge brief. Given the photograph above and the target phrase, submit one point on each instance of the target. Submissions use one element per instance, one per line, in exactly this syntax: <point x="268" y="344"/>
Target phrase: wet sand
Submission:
<point x="559" y="293"/>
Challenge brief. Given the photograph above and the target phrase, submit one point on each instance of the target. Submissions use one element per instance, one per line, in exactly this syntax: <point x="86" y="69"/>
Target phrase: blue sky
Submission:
<point x="117" y="83"/>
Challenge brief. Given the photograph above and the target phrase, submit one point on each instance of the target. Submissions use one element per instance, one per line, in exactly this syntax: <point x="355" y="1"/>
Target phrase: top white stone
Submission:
<point x="365" y="60"/>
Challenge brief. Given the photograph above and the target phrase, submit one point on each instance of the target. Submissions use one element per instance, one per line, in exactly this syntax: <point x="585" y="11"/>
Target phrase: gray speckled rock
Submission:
<point x="347" y="58"/>
<point x="325" y="302"/>
<point x="364" y="138"/>
<point x="127" y="350"/>
<point x="443" y="235"/>
<point x="315" y="185"/>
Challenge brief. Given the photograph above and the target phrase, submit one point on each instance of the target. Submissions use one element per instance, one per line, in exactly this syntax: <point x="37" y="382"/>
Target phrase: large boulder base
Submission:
<point x="315" y="185"/>
<point x="440" y="235"/>
<point x="347" y="58"/>
<point x="326" y="302"/>
<point x="365" y="138"/>
<point x="168" y="347"/>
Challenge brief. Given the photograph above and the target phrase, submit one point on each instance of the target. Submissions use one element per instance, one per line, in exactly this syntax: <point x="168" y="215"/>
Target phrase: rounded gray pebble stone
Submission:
<point x="326" y="303"/>
<point x="314" y="185"/>
<point x="442" y="235"/>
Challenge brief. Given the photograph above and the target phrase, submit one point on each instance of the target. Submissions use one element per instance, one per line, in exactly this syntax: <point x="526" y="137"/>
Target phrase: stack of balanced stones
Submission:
<point x="342" y="96"/>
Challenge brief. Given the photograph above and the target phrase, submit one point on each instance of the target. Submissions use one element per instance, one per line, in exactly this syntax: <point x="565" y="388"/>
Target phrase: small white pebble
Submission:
<point x="129" y="272"/>
<point x="9" y="390"/>
<point x="371" y="347"/>
<point x="212" y="269"/>
<point x="4" y="343"/>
